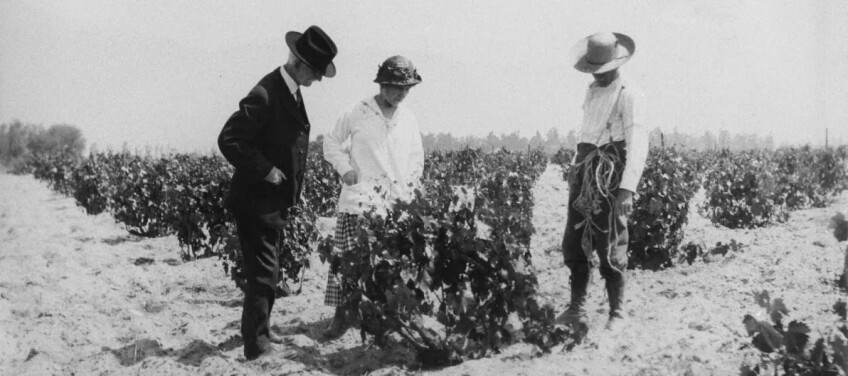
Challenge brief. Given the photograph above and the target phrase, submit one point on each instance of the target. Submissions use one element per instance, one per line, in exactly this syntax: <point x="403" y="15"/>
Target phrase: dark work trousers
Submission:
<point x="611" y="246"/>
<point x="259" y="237"/>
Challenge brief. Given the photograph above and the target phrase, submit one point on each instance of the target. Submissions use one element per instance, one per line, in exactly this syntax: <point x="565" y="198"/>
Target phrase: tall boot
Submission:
<point x="575" y="314"/>
<point x="615" y="291"/>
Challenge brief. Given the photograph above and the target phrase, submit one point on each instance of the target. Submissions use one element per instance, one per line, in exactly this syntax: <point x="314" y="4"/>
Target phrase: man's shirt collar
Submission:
<point x="293" y="87"/>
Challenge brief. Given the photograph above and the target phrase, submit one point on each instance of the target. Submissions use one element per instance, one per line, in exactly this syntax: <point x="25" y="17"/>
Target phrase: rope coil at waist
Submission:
<point x="598" y="170"/>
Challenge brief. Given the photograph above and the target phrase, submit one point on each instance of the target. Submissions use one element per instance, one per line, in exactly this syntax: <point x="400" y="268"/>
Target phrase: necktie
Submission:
<point x="298" y="98"/>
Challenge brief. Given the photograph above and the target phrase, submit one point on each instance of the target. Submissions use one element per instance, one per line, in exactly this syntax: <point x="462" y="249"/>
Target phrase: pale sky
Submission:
<point x="169" y="73"/>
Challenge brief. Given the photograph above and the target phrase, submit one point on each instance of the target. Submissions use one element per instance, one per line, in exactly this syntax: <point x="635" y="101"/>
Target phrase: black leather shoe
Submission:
<point x="263" y="351"/>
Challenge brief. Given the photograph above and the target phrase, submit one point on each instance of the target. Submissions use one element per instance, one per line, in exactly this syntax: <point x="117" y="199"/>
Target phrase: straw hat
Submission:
<point x="602" y="52"/>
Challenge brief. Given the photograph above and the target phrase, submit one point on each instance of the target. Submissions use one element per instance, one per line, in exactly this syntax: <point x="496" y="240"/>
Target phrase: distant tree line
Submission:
<point x="553" y="141"/>
<point x="19" y="141"/>
<point x="550" y="143"/>
<point x="710" y="141"/>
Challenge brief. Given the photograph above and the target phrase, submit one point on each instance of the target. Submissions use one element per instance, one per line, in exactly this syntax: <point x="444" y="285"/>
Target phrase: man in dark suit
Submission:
<point x="266" y="141"/>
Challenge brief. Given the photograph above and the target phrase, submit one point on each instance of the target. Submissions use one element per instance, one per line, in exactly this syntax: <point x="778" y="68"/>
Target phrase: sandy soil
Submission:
<point x="80" y="296"/>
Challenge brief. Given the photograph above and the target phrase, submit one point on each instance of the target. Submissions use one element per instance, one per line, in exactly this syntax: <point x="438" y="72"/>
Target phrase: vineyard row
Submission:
<point x="464" y="262"/>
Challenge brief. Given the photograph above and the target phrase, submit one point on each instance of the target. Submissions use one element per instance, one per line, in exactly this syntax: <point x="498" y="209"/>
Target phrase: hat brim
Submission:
<point x="398" y="83"/>
<point x="291" y="39"/>
<point x="624" y="51"/>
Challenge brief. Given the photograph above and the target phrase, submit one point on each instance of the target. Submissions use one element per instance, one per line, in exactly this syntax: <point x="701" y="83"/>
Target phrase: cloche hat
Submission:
<point x="397" y="70"/>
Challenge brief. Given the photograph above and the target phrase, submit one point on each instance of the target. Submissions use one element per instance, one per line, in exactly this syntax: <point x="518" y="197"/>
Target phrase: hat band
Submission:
<point x="613" y="59"/>
<point x="311" y="55"/>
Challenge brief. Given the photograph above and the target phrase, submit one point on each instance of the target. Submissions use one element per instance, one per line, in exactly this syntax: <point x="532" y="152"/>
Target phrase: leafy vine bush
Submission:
<point x="563" y="157"/>
<point x="91" y="187"/>
<point x="194" y="189"/>
<point x="322" y="186"/>
<point x="742" y="191"/>
<point x="661" y="208"/>
<point x="810" y="177"/>
<point x="55" y="169"/>
<point x="756" y="188"/>
<point x="180" y="194"/>
<point x="788" y="348"/>
<point x="454" y="281"/>
<point x="505" y="192"/>
<point x="139" y="198"/>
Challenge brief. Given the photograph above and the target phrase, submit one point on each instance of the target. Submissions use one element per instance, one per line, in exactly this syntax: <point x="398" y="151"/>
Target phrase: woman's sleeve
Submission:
<point x="333" y="149"/>
<point x="416" y="155"/>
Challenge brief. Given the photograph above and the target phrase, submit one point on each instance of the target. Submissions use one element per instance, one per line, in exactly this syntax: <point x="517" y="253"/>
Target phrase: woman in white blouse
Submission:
<point x="382" y="164"/>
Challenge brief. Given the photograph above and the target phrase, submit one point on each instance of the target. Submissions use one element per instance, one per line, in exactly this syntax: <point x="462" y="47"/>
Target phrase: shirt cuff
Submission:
<point x="629" y="183"/>
<point x="344" y="171"/>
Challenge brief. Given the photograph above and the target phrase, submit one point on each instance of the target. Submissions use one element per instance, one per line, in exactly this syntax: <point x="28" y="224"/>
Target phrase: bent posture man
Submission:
<point x="266" y="141"/>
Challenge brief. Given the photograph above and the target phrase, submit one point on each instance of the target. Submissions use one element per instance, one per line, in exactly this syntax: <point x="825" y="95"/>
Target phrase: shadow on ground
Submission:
<point x="346" y="361"/>
<point x="122" y="239"/>
<point x="360" y="360"/>
<point x="192" y="354"/>
<point x="357" y="360"/>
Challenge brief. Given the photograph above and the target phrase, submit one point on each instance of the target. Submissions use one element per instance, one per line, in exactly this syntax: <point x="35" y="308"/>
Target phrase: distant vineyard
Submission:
<point x="459" y="252"/>
<point x="183" y="194"/>
<point x="757" y="188"/>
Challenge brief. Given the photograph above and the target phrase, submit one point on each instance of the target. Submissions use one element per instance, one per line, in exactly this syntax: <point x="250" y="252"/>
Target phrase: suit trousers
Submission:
<point x="259" y="236"/>
<point x="611" y="238"/>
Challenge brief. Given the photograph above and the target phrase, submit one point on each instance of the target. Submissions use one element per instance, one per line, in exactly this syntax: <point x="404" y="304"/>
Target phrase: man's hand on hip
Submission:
<point x="275" y="176"/>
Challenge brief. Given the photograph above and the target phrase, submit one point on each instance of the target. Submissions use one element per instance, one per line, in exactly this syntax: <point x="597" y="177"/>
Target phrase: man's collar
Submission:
<point x="289" y="81"/>
<point x="615" y="83"/>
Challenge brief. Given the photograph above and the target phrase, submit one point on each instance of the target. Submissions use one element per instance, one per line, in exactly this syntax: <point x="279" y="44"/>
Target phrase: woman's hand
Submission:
<point x="350" y="178"/>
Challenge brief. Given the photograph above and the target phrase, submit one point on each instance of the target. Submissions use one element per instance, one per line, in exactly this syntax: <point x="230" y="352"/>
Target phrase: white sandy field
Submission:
<point x="74" y="302"/>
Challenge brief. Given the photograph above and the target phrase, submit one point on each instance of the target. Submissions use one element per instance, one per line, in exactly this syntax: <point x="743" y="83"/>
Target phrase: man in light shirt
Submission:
<point x="383" y="164"/>
<point x="611" y="154"/>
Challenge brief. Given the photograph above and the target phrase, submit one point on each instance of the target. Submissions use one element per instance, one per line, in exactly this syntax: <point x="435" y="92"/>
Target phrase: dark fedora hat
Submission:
<point x="315" y="48"/>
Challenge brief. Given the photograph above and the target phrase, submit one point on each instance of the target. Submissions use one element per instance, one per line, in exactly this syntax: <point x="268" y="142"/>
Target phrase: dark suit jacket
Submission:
<point x="269" y="129"/>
